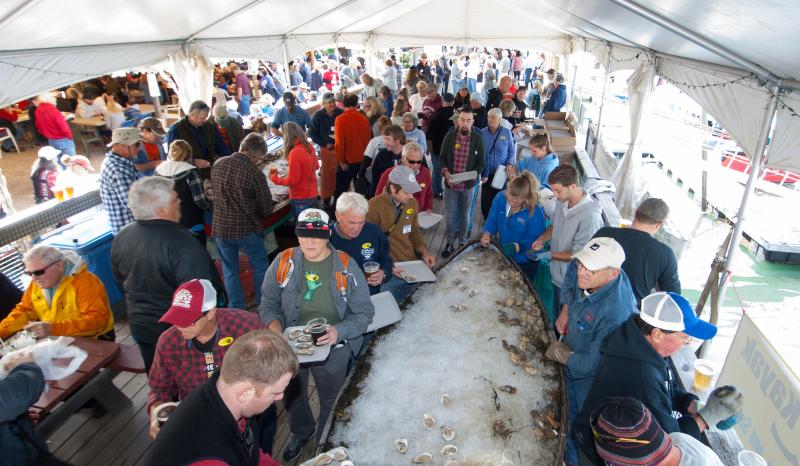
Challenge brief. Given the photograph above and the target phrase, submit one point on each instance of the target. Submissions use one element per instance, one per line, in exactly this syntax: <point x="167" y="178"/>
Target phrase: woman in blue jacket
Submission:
<point x="517" y="220"/>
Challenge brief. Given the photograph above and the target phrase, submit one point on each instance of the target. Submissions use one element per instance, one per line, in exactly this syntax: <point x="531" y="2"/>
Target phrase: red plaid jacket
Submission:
<point x="178" y="369"/>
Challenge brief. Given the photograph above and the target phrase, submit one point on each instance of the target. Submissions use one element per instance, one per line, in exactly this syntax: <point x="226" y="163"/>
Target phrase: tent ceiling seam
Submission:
<point x="18" y="11"/>
<point x="246" y="7"/>
<point x="586" y="21"/>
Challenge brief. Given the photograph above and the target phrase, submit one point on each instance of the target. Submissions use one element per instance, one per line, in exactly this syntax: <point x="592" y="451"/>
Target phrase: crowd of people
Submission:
<point x="360" y="171"/>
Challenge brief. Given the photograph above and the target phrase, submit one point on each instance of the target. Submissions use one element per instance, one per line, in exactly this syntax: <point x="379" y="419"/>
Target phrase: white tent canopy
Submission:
<point x="50" y="43"/>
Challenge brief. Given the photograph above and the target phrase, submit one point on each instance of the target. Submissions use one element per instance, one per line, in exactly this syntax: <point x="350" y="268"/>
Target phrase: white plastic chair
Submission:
<point x="8" y="135"/>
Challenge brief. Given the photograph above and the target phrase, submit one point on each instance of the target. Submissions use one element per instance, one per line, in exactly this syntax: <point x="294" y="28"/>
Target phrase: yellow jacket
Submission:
<point x="79" y="307"/>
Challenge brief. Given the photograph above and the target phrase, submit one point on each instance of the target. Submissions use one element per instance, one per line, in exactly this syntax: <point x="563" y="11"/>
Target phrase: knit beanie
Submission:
<point x="625" y="434"/>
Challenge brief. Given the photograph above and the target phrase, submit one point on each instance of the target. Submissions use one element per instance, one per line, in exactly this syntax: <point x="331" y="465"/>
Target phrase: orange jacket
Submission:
<point x="302" y="176"/>
<point x="351" y="135"/>
<point x="79" y="307"/>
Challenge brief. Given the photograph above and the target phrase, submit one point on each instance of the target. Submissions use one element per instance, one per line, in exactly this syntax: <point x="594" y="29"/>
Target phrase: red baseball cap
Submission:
<point x="190" y="301"/>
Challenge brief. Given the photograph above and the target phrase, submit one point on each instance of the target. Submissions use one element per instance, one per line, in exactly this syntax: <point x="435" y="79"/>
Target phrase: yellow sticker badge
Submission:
<point x="458" y="146"/>
<point x="225" y="341"/>
<point x="409" y="211"/>
<point x="422" y="185"/>
<point x="366" y="245"/>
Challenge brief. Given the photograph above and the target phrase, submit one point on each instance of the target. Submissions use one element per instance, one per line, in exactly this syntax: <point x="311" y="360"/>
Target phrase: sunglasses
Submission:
<point x="40" y="272"/>
<point x="414" y="162"/>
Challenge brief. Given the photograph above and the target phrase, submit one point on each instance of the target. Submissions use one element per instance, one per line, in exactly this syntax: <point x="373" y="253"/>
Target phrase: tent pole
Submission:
<point x="704" y="181"/>
<point x="697" y="39"/>
<point x="602" y="100"/>
<point x="286" y="64"/>
<point x="755" y="172"/>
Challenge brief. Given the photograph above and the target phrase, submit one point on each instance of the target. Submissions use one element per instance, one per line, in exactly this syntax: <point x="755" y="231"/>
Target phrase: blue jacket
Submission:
<point x="522" y="228"/>
<point x="18" y="439"/>
<point x="503" y="152"/>
<point x="540" y="168"/>
<point x="591" y="319"/>
<point x="557" y="100"/>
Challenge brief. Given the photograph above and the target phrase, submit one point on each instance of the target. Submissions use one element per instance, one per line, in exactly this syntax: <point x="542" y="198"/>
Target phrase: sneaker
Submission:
<point x="448" y="251"/>
<point x="294" y="448"/>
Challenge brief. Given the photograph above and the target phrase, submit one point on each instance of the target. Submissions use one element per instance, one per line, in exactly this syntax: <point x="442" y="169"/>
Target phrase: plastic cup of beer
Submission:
<point x="704" y="371"/>
<point x="370" y="267"/>
<point x="163" y="411"/>
<point x="751" y="458"/>
<point x="59" y="193"/>
<point x="317" y="328"/>
<point x="70" y="190"/>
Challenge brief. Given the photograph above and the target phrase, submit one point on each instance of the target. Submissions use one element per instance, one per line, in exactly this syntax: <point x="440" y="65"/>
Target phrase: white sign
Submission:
<point x="770" y="421"/>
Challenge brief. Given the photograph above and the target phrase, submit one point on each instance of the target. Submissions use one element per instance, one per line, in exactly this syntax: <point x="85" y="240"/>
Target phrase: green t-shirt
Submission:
<point x="316" y="297"/>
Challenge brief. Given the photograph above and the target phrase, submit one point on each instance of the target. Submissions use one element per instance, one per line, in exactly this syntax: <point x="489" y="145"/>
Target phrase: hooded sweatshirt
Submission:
<point x="189" y="187"/>
<point x="573" y="227"/>
<point x="630" y="366"/>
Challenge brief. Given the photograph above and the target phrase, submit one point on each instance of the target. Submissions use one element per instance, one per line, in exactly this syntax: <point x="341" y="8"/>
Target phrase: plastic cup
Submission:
<point x="163" y="412"/>
<point x="317" y="328"/>
<point x="370" y="267"/>
<point x="59" y="193"/>
<point x="704" y="371"/>
<point x="70" y="190"/>
<point x="751" y="458"/>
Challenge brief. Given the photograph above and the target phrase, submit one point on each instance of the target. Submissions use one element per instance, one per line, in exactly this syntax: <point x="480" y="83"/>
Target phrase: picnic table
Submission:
<point x="92" y="380"/>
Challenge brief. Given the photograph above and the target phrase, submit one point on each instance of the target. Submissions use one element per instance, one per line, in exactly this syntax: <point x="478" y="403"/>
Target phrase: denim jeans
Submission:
<point x="436" y="174"/>
<point x="471" y="210"/>
<point x="399" y="288"/>
<point x="252" y="246"/>
<point x="457" y="84"/>
<point x="528" y="78"/>
<point x="299" y="205"/>
<point x="65" y="145"/>
<point x="472" y="85"/>
<point x="244" y="105"/>
<point x="456" y="205"/>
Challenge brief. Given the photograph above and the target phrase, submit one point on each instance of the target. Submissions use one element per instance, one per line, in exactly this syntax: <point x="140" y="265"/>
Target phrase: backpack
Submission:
<point x="286" y="269"/>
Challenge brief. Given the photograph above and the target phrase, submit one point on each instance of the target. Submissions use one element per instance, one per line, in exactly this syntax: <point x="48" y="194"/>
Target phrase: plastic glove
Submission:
<point x="558" y="351"/>
<point x="509" y="249"/>
<point x="724" y="403"/>
<point x="542" y="256"/>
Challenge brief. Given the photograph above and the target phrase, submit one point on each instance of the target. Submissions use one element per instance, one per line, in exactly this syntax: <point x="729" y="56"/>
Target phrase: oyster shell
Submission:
<point x="462" y="287"/>
<point x="346" y="463"/>
<point x="340" y="454"/>
<point x="402" y="445"/>
<point x="428" y="421"/>
<point x="304" y="339"/>
<point x="464" y="270"/>
<point x="448" y="433"/>
<point x="295" y="333"/>
<point x="323" y="459"/>
<point x="451" y="462"/>
<point x="471" y="293"/>
<point x="422" y="458"/>
<point x="303" y="345"/>
<point x="508" y="389"/>
<point x="449" y="450"/>
<point x="305" y="351"/>
<point x="446" y="399"/>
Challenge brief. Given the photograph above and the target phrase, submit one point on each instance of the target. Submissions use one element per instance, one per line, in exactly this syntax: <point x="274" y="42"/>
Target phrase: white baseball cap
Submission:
<point x="671" y="311"/>
<point x="601" y="253"/>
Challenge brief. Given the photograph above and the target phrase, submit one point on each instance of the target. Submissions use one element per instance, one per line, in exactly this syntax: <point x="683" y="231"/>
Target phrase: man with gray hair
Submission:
<point x="241" y="202"/>
<point x="117" y="174"/>
<point x="365" y="242"/>
<point x="202" y="134"/>
<point x="153" y="256"/>
<point x="413" y="158"/>
<point x="63" y="298"/>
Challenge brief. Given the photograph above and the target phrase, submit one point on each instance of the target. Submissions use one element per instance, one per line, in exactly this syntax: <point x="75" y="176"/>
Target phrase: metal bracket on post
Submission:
<point x="602" y="101"/>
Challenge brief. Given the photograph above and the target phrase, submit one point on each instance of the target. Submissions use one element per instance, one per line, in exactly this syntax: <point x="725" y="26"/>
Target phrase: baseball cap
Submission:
<point x="654" y="209"/>
<point x="313" y="223"/>
<point x="289" y="98"/>
<point x="601" y="253"/>
<point x="625" y="434"/>
<point x="190" y="301"/>
<point x="152" y="124"/>
<point x="126" y="136"/>
<point x="405" y="177"/>
<point x="448" y="97"/>
<point x="48" y="152"/>
<point x="670" y="311"/>
<point x="328" y="97"/>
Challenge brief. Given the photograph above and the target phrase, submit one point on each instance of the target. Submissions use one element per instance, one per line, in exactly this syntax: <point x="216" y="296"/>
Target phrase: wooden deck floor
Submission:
<point x="122" y="439"/>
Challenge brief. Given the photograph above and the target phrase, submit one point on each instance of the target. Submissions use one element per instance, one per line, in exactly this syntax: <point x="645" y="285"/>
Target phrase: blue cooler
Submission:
<point x="90" y="239"/>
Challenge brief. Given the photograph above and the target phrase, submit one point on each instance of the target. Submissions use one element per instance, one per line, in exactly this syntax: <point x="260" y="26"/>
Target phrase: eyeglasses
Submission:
<point x="40" y="272"/>
<point x="685" y="339"/>
<point x="590" y="272"/>
<point x="414" y="162"/>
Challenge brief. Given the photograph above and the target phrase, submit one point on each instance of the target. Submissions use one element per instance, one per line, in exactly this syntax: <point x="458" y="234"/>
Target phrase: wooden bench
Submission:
<point x="92" y="380"/>
<point x="129" y="359"/>
<point x="725" y="443"/>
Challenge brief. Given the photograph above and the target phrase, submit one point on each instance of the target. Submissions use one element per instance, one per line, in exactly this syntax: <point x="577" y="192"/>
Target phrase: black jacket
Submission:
<point x="19" y="443"/>
<point x="631" y="367"/>
<point x="493" y="98"/>
<point x="202" y="428"/>
<point x="151" y="258"/>
<point x="439" y="126"/>
<point x="476" y="157"/>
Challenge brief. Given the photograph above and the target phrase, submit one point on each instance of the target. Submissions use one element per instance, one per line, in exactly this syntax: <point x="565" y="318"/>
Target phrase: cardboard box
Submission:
<point x="561" y="131"/>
